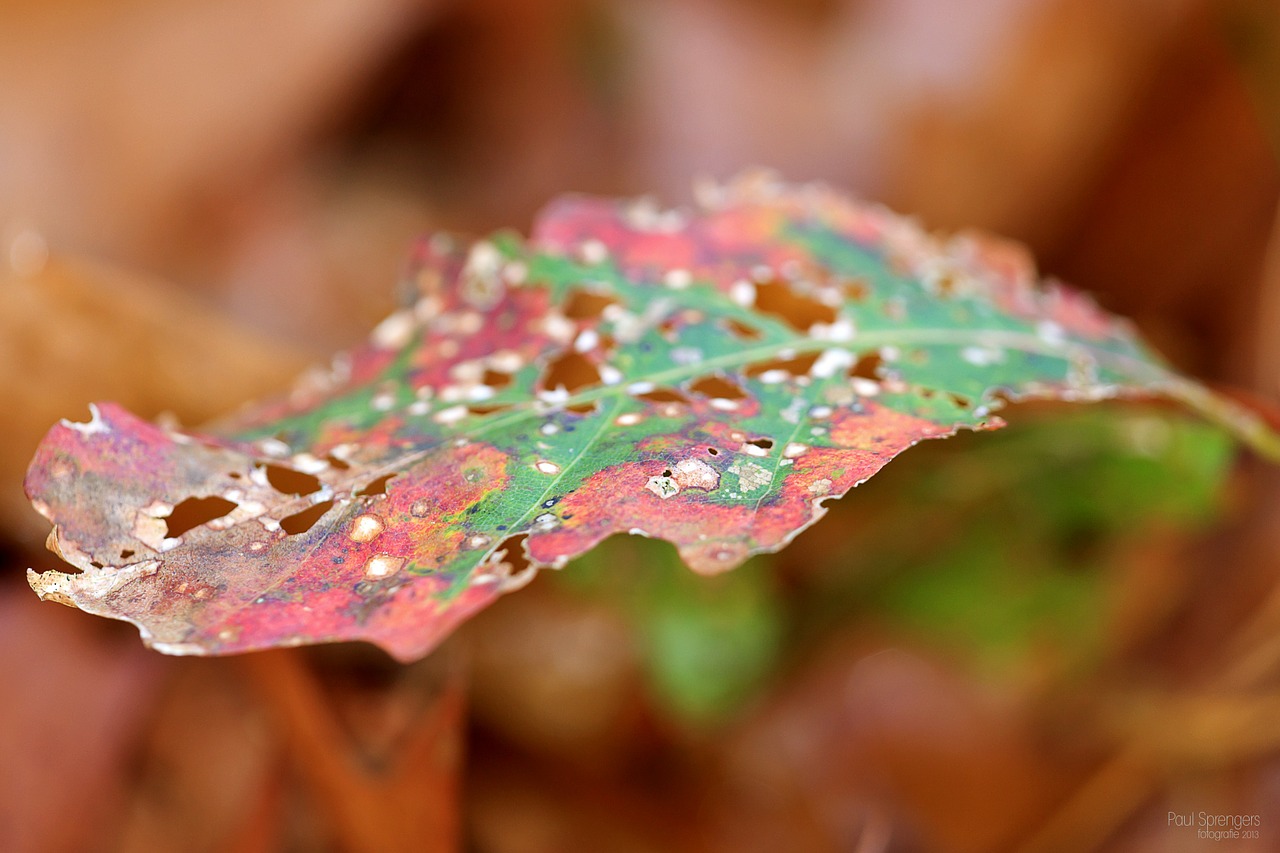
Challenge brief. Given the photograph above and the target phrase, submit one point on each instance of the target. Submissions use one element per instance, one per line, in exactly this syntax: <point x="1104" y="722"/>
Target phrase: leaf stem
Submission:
<point x="1239" y="420"/>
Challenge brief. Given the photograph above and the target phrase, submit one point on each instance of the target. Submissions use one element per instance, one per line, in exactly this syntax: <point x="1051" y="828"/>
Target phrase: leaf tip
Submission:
<point x="51" y="586"/>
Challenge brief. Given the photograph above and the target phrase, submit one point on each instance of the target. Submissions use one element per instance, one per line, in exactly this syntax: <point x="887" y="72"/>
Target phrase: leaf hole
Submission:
<point x="95" y="564"/>
<point x="669" y="328"/>
<point x="375" y="487"/>
<point x="796" y="309"/>
<point x="236" y="475"/>
<point x="336" y="463"/>
<point x="717" y="386"/>
<point x="663" y="395"/>
<point x="571" y="371"/>
<point x="666" y="472"/>
<point x="477" y="409"/>
<point x="797" y="366"/>
<point x="301" y="522"/>
<point x="290" y="482"/>
<point x="586" y="304"/>
<point x="495" y="379"/>
<point x="867" y="367"/>
<point x="713" y="451"/>
<point x="194" y="512"/>
<point x="584" y="408"/>
<point x="511" y="552"/>
<point x="126" y="554"/>
<point x="742" y="331"/>
<point x="762" y="443"/>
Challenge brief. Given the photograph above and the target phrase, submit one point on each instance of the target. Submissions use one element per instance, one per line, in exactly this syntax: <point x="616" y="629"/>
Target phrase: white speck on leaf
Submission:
<point x="1051" y="333"/>
<point x="864" y="387"/>
<point x="982" y="356"/>
<point x="588" y="339"/>
<point x="686" y="356"/>
<point x="594" y="252"/>
<point x="677" y="279"/>
<point x="383" y="565"/>
<point x="365" y="528"/>
<point x="395" y="331"/>
<point x="95" y="424"/>
<point x="696" y="474"/>
<point x="451" y="415"/>
<point x="831" y="362"/>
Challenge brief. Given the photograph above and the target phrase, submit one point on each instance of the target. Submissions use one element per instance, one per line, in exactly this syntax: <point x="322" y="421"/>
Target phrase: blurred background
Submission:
<point x="1049" y="638"/>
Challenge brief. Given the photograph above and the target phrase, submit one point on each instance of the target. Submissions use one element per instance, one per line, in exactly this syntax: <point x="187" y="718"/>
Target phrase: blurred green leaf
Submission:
<point x="1025" y="573"/>
<point x="706" y="642"/>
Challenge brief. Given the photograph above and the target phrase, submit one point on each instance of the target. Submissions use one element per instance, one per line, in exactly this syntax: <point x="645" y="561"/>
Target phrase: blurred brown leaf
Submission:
<point x="74" y="331"/>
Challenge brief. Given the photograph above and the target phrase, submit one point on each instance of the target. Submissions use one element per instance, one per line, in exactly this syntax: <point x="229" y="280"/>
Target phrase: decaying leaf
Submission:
<point x="709" y="378"/>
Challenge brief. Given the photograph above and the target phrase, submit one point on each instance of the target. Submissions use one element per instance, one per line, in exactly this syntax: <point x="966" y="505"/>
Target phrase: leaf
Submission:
<point x="709" y="378"/>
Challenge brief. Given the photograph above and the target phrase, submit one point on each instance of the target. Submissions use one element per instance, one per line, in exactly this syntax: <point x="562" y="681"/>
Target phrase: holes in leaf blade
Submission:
<point x="301" y="522"/>
<point x="717" y="386"/>
<point x="867" y="367"/>
<point x="495" y="379"/>
<point x="762" y="443"/>
<point x="742" y="331"/>
<point x="511" y="552"/>
<point x="571" y="371"/>
<point x="663" y="395"/>
<point x="796" y="366"/>
<point x="290" y="482"/>
<point x="478" y="409"/>
<point x="586" y="304"/>
<point x="796" y="309"/>
<point x="375" y="487"/>
<point x="194" y="512"/>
